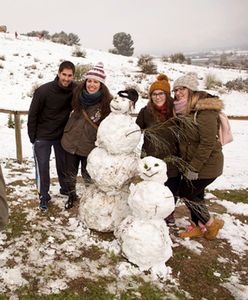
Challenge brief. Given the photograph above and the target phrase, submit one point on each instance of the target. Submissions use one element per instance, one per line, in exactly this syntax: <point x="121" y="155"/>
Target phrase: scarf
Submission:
<point x="87" y="99"/>
<point x="180" y="105"/>
<point x="162" y="110"/>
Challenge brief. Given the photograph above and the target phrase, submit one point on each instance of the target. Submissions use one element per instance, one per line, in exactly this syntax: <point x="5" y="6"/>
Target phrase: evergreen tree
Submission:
<point x="123" y="43"/>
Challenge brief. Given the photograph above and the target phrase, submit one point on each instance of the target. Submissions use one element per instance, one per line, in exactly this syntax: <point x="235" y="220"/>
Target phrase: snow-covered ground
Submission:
<point x="25" y="62"/>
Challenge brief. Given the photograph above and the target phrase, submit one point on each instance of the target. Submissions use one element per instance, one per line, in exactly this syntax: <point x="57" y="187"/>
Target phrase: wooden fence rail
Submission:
<point x="18" y="136"/>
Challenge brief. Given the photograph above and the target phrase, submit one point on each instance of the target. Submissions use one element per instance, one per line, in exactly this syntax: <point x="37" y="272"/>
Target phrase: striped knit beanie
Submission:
<point x="97" y="73"/>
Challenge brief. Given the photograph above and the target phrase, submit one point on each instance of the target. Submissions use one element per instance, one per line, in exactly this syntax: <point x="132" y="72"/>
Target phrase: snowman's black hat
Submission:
<point x="130" y="94"/>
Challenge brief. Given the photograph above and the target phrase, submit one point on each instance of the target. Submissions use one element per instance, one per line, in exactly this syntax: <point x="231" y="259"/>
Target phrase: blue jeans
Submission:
<point x="42" y="153"/>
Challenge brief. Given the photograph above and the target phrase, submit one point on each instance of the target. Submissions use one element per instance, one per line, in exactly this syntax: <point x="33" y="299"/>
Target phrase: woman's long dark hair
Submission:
<point x="169" y="109"/>
<point x="104" y="103"/>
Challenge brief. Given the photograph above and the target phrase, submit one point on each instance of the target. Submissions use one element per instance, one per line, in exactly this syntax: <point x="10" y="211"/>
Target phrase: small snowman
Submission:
<point x="143" y="235"/>
<point x="112" y="165"/>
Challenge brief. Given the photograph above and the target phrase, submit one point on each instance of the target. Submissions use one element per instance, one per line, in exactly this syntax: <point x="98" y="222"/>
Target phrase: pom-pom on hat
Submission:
<point x="189" y="81"/>
<point x="97" y="73"/>
<point x="130" y="94"/>
<point x="162" y="83"/>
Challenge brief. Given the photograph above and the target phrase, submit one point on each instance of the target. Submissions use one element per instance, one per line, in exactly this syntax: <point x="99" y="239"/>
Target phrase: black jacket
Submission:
<point x="49" y="111"/>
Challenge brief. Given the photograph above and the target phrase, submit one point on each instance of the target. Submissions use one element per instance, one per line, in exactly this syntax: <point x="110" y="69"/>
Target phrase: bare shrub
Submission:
<point x="238" y="84"/>
<point x="145" y="62"/>
<point x="66" y="39"/>
<point x="211" y="81"/>
<point x="149" y="68"/>
<point x="177" y="58"/>
<point x="78" y="52"/>
<point x="144" y="58"/>
<point x="11" y="122"/>
<point x="80" y="71"/>
<point x="34" y="87"/>
<point x="113" y="51"/>
<point x="164" y="58"/>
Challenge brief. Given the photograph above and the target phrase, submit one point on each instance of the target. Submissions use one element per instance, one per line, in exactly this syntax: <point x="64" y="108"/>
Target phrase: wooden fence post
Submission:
<point x="18" y="138"/>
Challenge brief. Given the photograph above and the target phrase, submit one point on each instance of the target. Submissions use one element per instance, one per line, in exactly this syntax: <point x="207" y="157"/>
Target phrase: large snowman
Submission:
<point x="112" y="165"/>
<point x="143" y="235"/>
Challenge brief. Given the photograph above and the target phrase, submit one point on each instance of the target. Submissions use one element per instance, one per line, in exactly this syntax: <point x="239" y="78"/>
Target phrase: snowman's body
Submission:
<point x="150" y="200"/>
<point x="111" y="165"/>
<point x="118" y="133"/>
<point x="146" y="244"/>
<point x="144" y="236"/>
<point x="103" y="212"/>
<point x="111" y="172"/>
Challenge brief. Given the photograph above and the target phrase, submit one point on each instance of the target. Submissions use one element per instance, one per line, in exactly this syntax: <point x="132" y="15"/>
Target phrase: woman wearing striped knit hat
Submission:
<point x="90" y="104"/>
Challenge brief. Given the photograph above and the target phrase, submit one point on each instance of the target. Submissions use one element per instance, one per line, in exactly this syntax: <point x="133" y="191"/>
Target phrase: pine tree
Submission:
<point x="123" y="43"/>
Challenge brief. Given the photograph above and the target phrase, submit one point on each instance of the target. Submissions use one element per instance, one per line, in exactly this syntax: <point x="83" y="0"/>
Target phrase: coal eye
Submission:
<point x="156" y="165"/>
<point x="145" y="166"/>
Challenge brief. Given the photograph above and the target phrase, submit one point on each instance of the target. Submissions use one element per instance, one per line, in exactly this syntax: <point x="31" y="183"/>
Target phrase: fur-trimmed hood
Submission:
<point x="210" y="103"/>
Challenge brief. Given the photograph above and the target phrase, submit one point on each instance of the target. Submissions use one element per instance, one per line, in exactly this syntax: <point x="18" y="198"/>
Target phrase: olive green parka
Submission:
<point x="199" y="146"/>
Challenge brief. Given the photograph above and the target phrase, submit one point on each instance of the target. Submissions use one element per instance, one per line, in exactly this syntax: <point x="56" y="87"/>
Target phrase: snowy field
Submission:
<point x="28" y="61"/>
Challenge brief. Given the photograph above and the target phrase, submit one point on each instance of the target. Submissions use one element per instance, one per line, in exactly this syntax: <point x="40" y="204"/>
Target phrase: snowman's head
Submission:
<point x="120" y="105"/>
<point x="152" y="169"/>
<point x="124" y="102"/>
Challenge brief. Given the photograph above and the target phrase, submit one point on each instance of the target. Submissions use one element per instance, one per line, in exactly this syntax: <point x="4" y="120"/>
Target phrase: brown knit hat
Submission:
<point x="162" y="84"/>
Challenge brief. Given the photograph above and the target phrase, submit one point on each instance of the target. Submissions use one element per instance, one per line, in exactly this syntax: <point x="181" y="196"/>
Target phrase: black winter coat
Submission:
<point x="49" y="111"/>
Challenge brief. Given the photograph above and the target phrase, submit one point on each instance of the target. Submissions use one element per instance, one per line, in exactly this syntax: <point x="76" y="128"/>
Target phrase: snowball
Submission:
<point x="118" y="133"/>
<point x="149" y="200"/>
<point x="111" y="172"/>
<point x="103" y="212"/>
<point x="145" y="243"/>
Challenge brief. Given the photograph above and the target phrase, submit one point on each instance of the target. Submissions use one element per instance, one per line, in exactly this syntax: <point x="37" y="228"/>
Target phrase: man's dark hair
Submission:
<point x="67" y="65"/>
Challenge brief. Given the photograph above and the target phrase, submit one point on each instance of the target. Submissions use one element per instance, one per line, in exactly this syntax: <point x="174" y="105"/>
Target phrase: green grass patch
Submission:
<point x="17" y="224"/>
<point x="236" y="196"/>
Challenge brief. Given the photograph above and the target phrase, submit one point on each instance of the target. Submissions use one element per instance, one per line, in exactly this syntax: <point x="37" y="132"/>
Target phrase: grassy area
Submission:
<point x="236" y="196"/>
<point x="199" y="276"/>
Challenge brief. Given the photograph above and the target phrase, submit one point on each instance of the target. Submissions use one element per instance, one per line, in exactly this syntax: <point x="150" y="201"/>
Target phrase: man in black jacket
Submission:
<point x="48" y="113"/>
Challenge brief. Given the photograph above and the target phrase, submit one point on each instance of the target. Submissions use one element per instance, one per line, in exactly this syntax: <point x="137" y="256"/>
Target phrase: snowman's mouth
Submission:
<point x="114" y="108"/>
<point x="151" y="174"/>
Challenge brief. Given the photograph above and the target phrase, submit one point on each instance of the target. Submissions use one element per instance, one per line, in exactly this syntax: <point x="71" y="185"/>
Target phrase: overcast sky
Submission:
<point x="156" y="26"/>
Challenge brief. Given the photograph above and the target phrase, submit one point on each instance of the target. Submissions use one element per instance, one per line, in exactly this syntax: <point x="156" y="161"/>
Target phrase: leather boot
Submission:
<point x="192" y="231"/>
<point x="71" y="199"/>
<point x="213" y="229"/>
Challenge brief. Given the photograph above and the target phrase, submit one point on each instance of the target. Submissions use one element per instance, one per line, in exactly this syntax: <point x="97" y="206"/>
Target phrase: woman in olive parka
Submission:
<point x="200" y="148"/>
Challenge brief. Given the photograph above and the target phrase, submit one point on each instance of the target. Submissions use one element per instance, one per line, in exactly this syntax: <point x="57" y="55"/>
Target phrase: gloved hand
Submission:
<point x="190" y="175"/>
